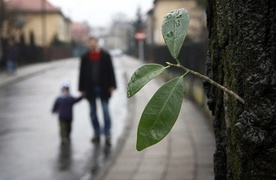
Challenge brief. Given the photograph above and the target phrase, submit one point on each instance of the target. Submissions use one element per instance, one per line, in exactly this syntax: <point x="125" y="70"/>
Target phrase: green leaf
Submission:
<point x="174" y="29"/>
<point x="142" y="76"/>
<point x="160" y="114"/>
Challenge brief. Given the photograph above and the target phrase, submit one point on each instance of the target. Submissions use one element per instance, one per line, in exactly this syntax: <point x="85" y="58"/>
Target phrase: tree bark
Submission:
<point x="242" y="52"/>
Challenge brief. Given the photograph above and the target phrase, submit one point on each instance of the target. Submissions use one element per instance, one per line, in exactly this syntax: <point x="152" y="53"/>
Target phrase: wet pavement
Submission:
<point x="29" y="139"/>
<point x="186" y="153"/>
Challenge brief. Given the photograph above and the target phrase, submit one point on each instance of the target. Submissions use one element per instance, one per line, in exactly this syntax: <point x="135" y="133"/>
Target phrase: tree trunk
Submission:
<point x="242" y="52"/>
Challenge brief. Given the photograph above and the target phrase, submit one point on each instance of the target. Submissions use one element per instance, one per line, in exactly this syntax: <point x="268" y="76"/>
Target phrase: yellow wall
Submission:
<point x="55" y="24"/>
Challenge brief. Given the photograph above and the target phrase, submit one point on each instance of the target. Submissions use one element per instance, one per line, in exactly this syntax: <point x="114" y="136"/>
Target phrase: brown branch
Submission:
<point x="233" y="94"/>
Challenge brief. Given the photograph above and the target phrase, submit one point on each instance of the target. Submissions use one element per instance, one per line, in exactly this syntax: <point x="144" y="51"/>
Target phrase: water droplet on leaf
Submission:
<point x="170" y="34"/>
<point x="168" y="16"/>
<point x="177" y="23"/>
<point x="128" y="93"/>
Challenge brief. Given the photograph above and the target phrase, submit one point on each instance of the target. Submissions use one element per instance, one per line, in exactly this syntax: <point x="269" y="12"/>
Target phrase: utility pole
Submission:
<point x="140" y="37"/>
<point x="2" y="11"/>
<point x="43" y="28"/>
<point x="139" y="34"/>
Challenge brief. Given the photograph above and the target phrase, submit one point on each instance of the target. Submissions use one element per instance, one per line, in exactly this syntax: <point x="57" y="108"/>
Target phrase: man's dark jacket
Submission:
<point x="106" y="77"/>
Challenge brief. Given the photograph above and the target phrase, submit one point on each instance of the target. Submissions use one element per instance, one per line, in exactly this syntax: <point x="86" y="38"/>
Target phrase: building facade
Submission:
<point x="38" y="20"/>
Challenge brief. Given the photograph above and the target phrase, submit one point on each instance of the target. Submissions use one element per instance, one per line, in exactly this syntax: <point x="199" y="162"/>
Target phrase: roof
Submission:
<point x="31" y="6"/>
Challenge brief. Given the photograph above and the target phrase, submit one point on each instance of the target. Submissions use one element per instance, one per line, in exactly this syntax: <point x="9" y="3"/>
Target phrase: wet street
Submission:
<point x="29" y="136"/>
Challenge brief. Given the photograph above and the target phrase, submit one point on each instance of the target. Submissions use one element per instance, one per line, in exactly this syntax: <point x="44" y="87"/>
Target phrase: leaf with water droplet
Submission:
<point x="178" y="24"/>
<point x="160" y="114"/>
<point x="142" y="76"/>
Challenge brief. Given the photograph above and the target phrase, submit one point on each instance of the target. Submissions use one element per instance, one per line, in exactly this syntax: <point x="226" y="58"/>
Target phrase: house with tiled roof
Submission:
<point x="80" y="32"/>
<point x="31" y="6"/>
<point x="38" y="18"/>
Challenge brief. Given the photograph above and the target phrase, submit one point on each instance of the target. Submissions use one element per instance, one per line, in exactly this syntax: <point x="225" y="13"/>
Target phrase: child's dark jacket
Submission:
<point x="64" y="106"/>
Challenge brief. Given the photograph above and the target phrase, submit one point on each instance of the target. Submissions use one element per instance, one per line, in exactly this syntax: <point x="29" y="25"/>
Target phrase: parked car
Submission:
<point x="116" y="52"/>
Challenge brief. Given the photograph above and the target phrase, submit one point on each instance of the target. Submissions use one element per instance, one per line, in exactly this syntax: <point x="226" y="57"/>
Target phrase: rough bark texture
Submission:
<point x="242" y="52"/>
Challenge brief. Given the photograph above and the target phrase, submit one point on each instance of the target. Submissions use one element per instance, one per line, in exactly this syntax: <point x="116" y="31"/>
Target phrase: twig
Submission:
<point x="236" y="96"/>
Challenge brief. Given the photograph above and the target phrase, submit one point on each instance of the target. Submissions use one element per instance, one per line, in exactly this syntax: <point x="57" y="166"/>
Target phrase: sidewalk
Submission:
<point x="186" y="154"/>
<point x="28" y="71"/>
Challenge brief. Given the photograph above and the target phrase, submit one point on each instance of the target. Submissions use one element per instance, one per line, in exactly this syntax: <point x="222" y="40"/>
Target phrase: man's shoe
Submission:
<point x="95" y="139"/>
<point x="108" y="141"/>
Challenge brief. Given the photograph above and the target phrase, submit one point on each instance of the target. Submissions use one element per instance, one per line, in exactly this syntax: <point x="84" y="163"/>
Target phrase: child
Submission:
<point x="64" y="107"/>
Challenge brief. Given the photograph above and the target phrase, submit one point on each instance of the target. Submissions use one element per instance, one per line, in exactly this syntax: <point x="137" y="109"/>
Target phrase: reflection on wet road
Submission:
<point x="29" y="138"/>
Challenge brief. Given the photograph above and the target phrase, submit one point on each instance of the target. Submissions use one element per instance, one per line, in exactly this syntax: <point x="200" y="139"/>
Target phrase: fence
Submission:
<point x="192" y="56"/>
<point x="34" y="54"/>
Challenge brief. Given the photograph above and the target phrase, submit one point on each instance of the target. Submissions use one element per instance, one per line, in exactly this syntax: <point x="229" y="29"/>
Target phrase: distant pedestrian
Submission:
<point x="64" y="107"/>
<point x="12" y="55"/>
<point x="97" y="80"/>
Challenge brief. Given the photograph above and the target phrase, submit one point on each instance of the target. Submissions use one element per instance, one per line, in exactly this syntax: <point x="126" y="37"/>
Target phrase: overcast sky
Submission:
<point x="100" y="12"/>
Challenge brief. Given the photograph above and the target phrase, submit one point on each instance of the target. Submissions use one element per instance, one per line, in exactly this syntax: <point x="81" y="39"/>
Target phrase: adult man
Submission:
<point x="97" y="80"/>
